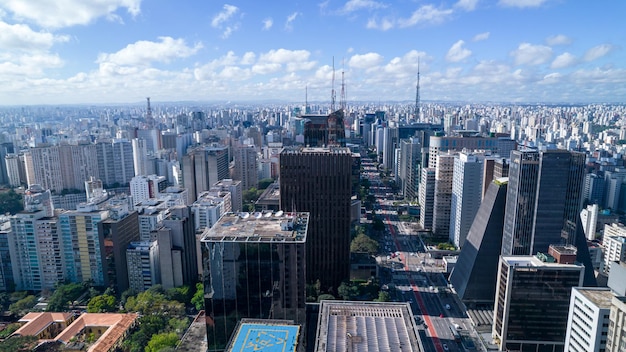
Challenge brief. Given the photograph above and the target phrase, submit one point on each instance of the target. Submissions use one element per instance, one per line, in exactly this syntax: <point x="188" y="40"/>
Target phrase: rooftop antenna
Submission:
<point x="333" y="96"/>
<point x="342" y="99"/>
<point x="417" y="93"/>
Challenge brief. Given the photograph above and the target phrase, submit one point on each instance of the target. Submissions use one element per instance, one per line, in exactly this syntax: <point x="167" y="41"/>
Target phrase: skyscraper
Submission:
<point x="443" y="195"/>
<point x="427" y="197"/>
<point x="253" y="267"/>
<point x="409" y="170"/>
<point x="246" y="166"/>
<point x="588" y="319"/>
<point x="140" y="156"/>
<point x="466" y="196"/>
<point x="543" y="200"/>
<point x="318" y="181"/>
<point x="532" y="303"/>
<point x="203" y="167"/>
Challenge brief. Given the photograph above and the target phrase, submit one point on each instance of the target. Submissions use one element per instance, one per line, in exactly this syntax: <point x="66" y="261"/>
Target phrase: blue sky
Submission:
<point x="121" y="51"/>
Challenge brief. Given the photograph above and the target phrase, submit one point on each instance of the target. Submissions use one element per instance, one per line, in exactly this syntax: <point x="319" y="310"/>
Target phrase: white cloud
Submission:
<point x="22" y="37"/>
<point x="481" y="36"/>
<point x="457" y="52"/>
<point x="290" y="19"/>
<point x="142" y="53"/>
<point x="28" y="65"/>
<point x="248" y="58"/>
<point x="223" y="17"/>
<point x="467" y="5"/>
<point x="558" y="39"/>
<point x="355" y="5"/>
<point x="522" y="3"/>
<point x="426" y="14"/>
<point x="365" y="61"/>
<point x="268" y="23"/>
<point x="227" y="13"/>
<point x="529" y="54"/>
<point x="597" y="52"/>
<point x="266" y="68"/>
<point x="384" y="24"/>
<point x="283" y="56"/>
<point x="564" y="60"/>
<point x="66" y="13"/>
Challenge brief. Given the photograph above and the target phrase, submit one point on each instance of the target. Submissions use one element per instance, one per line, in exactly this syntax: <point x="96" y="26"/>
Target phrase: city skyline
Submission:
<point x="120" y="51"/>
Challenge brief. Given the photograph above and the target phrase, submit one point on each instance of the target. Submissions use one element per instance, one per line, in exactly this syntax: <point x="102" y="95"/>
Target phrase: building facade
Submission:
<point x="588" y="319"/>
<point x="466" y="196"/>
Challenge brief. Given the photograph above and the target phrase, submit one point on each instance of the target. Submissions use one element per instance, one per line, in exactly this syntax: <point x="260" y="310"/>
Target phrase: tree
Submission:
<point x="383" y="296"/>
<point x="181" y="294"/>
<point x="19" y="343"/>
<point x="10" y="202"/>
<point x="102" y="304"/>
<point x="264" y="183"/>
<point x="325" y="296"/>
<point x="22" y="306"/>
<point x="347" y="291"/>
<point x="161" y="341"/>
<point x="64" y="295"/>
<point x="198" y="298"/>
<point x="150" y="302"/>
<point x="363" y="243"/>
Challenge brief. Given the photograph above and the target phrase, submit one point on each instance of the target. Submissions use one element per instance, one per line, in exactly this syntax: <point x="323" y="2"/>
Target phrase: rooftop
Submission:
<point x="195" y="339"/>
<point x="311" y="150"/>
<point x="264" y="335"/>
<point x="600" y="296"/>
<point x="533" y="261"/>
<point x="366" y="326"/>
<point x="259" y="227"/>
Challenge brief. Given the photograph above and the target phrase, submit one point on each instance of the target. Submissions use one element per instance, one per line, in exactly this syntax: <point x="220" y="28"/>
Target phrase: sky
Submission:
<point x="122" y="51"/>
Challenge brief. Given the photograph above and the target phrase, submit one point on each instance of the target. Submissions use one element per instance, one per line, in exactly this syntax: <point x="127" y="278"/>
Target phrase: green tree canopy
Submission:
<point x="383" y="296"/>
<point x="64" y="295"/>
<point x="22" y="306"/>
<point x="102" y="304"/>
<point x="19" y="344"/>
<point x="150" y="302"/>
<point x="348" y="291"/>
<point x="10" y="202"/>
<point x="363" y="243"/>
<point x="161" y="341"/>
<point x="264" y="183"/>
<point x="325" y="296"/>
<point x="198" y="298"/>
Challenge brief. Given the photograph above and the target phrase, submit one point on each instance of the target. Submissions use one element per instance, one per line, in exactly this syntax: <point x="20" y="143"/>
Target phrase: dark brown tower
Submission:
<point x="318" y="181"/>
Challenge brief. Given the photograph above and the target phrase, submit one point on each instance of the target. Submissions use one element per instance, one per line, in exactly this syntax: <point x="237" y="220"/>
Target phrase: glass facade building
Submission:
<point x="532" y="303"/>
<point x="253" y="267"/>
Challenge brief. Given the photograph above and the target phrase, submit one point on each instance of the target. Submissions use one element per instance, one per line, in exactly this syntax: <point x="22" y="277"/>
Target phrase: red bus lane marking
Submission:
<point x="416" y="292"/>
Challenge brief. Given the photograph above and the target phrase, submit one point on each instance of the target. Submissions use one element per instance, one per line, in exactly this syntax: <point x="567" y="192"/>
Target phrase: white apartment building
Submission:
<point x="616" y="337"/>
<point x="209" y="208"/>
<point x="466" y="196"/>
<point x="614" y="243"/>
<point x="588" y="319"/>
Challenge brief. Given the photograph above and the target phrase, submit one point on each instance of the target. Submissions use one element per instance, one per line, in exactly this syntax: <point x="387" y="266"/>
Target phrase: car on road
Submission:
<point x="447" y="306"/>
<point x="445" y="347"/>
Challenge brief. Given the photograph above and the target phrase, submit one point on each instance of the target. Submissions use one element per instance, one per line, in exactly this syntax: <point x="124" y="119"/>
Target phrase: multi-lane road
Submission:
<point x="443" y="324"/>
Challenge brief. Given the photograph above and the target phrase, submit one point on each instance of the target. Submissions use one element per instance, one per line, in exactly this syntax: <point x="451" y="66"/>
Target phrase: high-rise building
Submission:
<point x="209" y="208"/>
<point x="62" y="167"/>
<point x="145" y="187"/>
<point x="141" y="264"/>
<point x="616" y="336"/>
<point x="140" y="156"/>
<point x="427" y="197"/>
<point x="318" y="181"/>
<point x="409" y="168"/>
<point x="12" y="162"/>
<point x="180" y="225"/>
<point x="442" y="144"/>
<point x="543" y="200"/>
<point x="253" y="267"/>
<point x="236" y="192"/>
<point x="594" y="189"/>
<point x="82" y="245"/>
<point x="443" y="195"/>
<point x="116" y="162"/>
<point x="588" y="319"/>
<point x="117" y="232"/>
<point x="475" y="273"/>
<point x="532" y="303"/>
<point x="203" y="167"/>
<point x="246" y="166"/>
<point x="466" y="196"/>
<point x="614" y="243"/>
